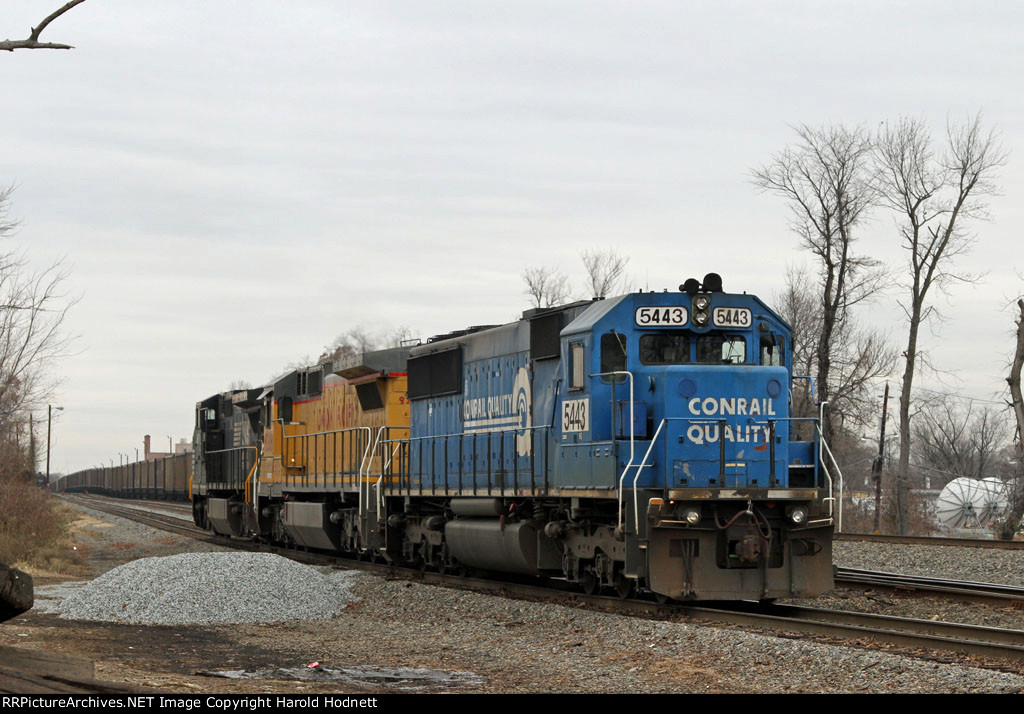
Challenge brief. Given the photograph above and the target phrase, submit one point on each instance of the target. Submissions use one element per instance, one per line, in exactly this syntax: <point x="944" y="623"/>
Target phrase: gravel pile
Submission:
<point x="204" y="588"/>
<point x="988" y="565"/>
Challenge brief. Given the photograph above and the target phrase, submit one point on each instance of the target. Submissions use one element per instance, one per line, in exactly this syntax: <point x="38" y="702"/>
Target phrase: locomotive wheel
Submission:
<point x="444" y="561"/>
<point x="623" y="586"/>
<point x="589" y="583"/>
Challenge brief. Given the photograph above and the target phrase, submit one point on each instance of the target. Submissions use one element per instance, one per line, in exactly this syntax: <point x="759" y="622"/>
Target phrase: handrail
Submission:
<point x="248" y="479"/>
<point x="810" y="379"/>
<point x="256" y="483"/>
<point x="385" y="464"/>
<point x="435" y="439"/>
<point x="376" y="441"/>
<point x="640" y="470"/>
<point x="347" y="430"/>
<point x="373" y="450"/>
<point x="837" y="512"/>
<point x="474" y="432"/>
<point x="643" y="464"/>
<point x="364" y="464"/>
<point x="245" y="483"/>
<point x="823" y="446"/>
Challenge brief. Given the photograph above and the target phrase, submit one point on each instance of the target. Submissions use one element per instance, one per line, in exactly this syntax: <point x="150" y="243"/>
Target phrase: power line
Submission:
<point x="961" y="396"/>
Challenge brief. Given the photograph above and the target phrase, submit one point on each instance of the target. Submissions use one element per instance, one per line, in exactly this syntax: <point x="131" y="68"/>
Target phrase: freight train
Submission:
<point x="639" y="444"/>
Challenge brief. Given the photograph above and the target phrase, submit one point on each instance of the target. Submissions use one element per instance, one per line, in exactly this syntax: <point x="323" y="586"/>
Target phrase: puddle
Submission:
<point x="403" y="678"/>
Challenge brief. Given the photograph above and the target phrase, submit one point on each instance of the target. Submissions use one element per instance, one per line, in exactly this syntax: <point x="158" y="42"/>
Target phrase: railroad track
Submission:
<point x="994" y="644"/>
<point x="180" y="524"/>
<point x="932" y="540"/>
<point x="963" y="590"/>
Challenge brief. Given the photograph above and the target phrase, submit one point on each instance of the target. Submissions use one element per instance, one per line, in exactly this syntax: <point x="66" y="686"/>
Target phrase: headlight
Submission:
<point x="692" y="516"/>
<point x="700" y="318"/>
<point x="701" y="302"/>
<point x="797" y="514"/>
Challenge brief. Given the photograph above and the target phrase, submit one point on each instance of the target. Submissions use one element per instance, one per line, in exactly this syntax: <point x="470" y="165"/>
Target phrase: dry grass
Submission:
<point x="34" y="529"/>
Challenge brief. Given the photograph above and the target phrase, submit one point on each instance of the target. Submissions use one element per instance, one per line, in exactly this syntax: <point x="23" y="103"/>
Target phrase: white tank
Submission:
<point x="994" y="499"/>
<point x="962" y="503"/>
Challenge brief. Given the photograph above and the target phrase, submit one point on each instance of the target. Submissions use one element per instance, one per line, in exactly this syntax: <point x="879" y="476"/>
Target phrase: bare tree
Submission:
<point x="33" y="307"/>
<point x="349" y="344"/>
<point x="862" y="358"/>
<point x="605" y="272"/>
<point x="358" y="340"/>
<point x="954" y="439"/>
<point x="933" y="195"/>
<point x="859" y="357"/>
<point x="826" y="179"/>
<point x="32" y="42"/>
<point x="1009" y="525"/>
<point x="546" y="287"/>
<point x="401" y="336"/>
<point x="799" y="306"/>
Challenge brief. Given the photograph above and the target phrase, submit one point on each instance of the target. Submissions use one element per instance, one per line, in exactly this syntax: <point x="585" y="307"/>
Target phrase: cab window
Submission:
<point x="577" y="366"/>
<point x="665" y="348"/>
<point x="613" y="355"/>
<point x="721" y="349"/>
<point x="773" y="351"/>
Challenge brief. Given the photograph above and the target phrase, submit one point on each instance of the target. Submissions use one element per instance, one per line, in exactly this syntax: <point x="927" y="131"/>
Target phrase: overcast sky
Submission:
<point x="234" y="184"/>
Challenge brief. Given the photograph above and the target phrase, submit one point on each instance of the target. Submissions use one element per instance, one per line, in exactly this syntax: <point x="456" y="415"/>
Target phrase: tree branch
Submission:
<point x="33" y="43"/>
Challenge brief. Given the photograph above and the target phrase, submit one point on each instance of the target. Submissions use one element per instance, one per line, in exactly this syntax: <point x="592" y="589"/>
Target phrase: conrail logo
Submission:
<point x="503" y="412"/>
<point x="709" y="432"/>
<point x="521" y="389"/>
<point x="738" y="406"/>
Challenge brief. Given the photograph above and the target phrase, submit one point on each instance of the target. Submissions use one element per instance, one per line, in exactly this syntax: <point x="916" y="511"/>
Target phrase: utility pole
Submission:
<point x="49" y="421"/>
<point x="876" y="467"/>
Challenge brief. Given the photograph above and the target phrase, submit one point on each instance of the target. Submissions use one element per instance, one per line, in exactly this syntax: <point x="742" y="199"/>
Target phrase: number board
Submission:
<point x="576" y="415"/>
<point x="730" y="317"/>
<point x="660" y="316"/>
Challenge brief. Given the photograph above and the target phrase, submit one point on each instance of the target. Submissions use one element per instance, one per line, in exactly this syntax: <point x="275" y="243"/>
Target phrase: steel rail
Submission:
<point x="964" y="590"/>
<point x="991" y="642"/>
<point x="932" y="540"/>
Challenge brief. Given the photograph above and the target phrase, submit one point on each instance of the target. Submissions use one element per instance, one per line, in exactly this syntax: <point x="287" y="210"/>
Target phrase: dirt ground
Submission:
<point x="164" y="657"/>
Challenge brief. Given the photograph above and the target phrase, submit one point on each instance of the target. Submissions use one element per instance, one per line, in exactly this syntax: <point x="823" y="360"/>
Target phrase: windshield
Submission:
<point x="721" y="349"/>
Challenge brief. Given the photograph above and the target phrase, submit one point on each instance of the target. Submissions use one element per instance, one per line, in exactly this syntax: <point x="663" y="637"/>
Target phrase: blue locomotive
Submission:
<point x="638" y="442"/>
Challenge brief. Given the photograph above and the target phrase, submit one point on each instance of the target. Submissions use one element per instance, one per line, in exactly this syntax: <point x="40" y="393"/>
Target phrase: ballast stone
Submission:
<point x="208" y="589"/>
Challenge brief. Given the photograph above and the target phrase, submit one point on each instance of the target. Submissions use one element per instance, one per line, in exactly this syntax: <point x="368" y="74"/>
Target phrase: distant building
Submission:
<point x="184" y="446"/>
<point x="153" y="455"/>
